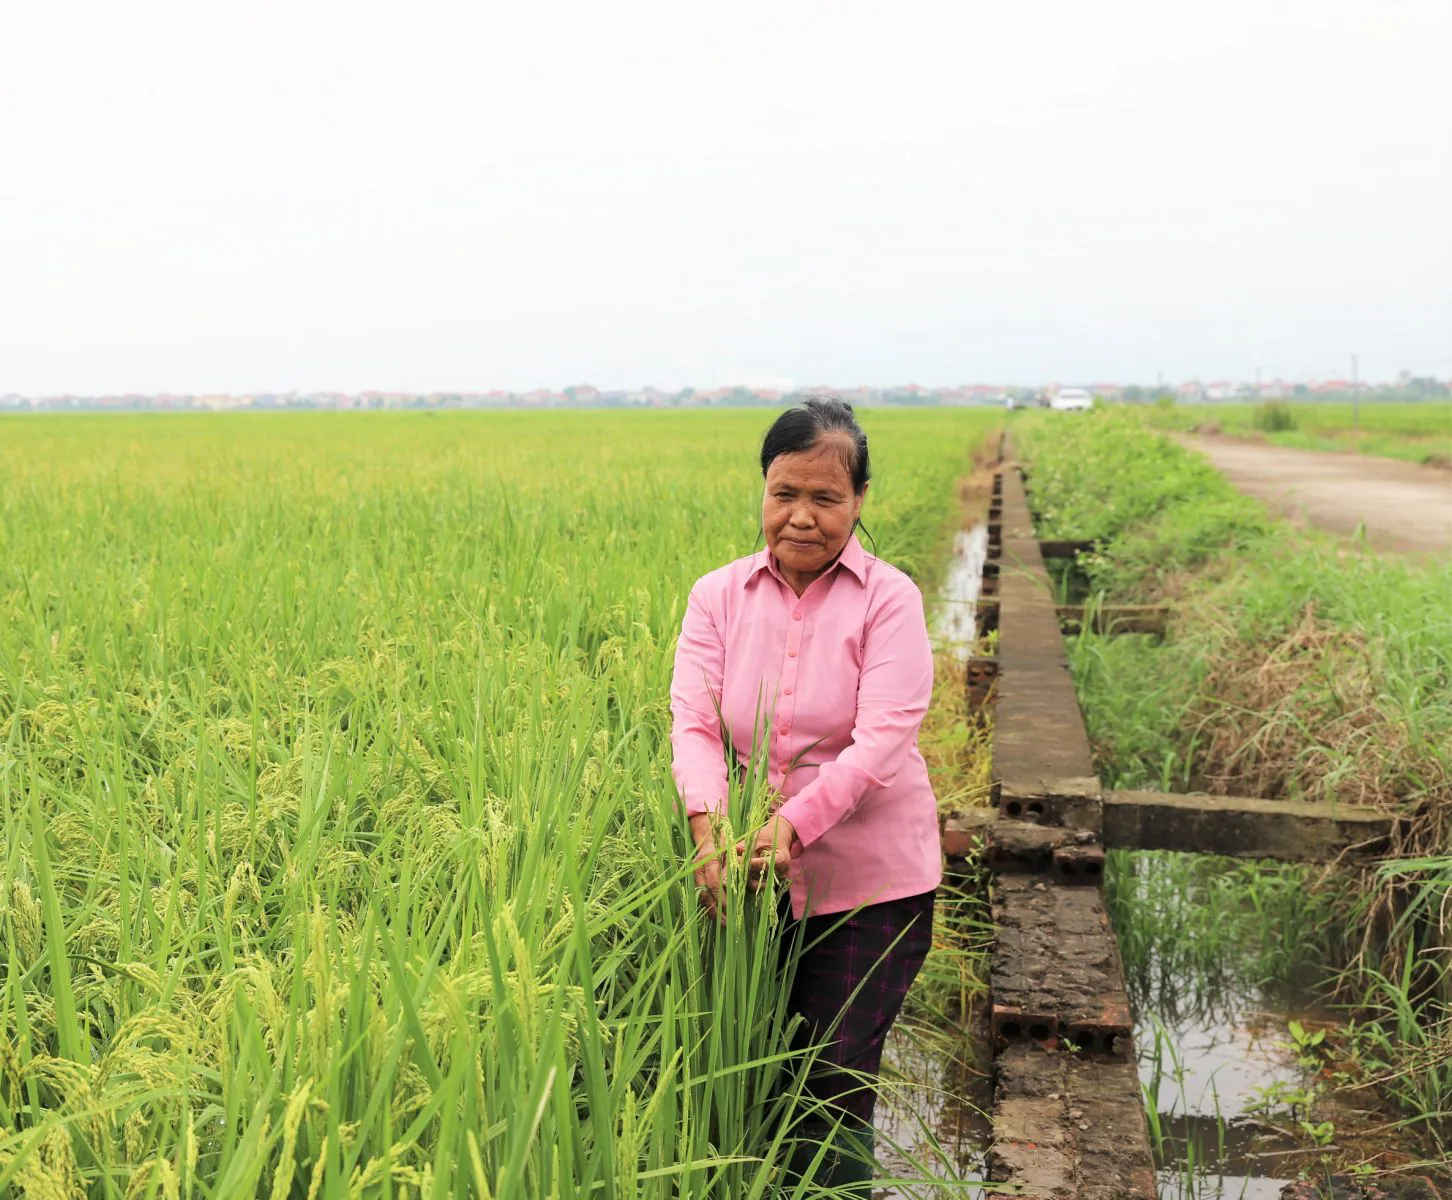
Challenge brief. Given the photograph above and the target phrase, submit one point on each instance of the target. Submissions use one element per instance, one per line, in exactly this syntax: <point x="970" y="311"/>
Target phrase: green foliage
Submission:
<point x="1291" y="669"/>
<point x="1296" y="672"/>
<point x="1307" y="1043"/>
<point x="1195" y="930"/>
<point x="340" y="849"/>
<point x="1107" y="479"/>
<point x="1274" y="416"/>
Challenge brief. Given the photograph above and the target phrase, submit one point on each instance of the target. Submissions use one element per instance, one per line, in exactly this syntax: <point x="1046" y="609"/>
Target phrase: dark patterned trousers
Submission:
<point x="852" y="975"/>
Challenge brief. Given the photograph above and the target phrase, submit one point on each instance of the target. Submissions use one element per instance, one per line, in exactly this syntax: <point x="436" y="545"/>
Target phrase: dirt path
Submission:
<point x="1404" y="506"/>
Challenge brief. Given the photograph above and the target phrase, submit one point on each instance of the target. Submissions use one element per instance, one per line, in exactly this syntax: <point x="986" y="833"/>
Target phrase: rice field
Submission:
<point x="340" y="852"/>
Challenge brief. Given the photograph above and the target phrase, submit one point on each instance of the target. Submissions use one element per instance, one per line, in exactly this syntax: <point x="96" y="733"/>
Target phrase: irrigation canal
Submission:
<point x="1067" y="1116"/>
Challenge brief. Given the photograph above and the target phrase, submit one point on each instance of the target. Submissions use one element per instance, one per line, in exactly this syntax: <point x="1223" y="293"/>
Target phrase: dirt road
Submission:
<point x="1403" y="506"/>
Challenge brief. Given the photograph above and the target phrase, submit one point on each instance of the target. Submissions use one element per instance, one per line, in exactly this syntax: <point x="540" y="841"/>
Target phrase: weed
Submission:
<point x="1273" y="416"/>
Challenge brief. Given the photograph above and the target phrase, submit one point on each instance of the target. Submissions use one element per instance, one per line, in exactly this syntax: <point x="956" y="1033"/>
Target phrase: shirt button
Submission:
<point x="791" y="654"/>
<point x="783" y="728"/>
<point x="788" y="691"/>
<point x="796" y="616"/>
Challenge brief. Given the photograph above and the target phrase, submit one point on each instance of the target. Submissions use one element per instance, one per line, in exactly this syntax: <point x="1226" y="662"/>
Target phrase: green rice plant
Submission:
<point x="341" y="856"/>
<point x="1162" y="1072"/>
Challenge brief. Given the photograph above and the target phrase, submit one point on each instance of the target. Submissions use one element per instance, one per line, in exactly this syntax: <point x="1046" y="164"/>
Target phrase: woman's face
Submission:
<point x="809" y="509"/>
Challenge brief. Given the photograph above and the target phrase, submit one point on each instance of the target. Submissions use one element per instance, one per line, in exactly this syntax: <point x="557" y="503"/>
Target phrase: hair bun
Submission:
<point x="829" y="401"/>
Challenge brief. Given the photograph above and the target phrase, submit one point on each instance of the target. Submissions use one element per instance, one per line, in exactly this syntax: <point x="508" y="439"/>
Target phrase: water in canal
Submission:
<point x="1234" y="1044"/>
<point x="1217" y="1060"/>
<point x="954" y="623"/>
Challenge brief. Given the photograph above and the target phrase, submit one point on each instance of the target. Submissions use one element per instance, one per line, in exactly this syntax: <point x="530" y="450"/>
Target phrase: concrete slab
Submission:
<point x="1070" y="1126"/>
<point x="1007" y="844"/>
<point x="1065" y="547"/>
<point x="1056" y="974"/>
<point x="1244" y="827"/>
<point x="1234" y="826"/>
<point x="1067" y="1120"/>
<point x="1040" y="748"/>
<point x="1032" y="1171"/>
<point x="1022" y="846"/>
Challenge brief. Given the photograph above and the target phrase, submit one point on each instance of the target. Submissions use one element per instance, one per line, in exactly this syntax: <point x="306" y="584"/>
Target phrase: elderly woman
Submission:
<point x="826" y="646"/>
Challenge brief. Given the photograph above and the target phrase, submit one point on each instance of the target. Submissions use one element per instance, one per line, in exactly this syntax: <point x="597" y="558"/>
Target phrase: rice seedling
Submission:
<point x="340" y="850"/>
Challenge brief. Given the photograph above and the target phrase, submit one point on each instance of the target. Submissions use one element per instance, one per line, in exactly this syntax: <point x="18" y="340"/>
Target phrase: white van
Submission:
<point x="1072" y="400"/>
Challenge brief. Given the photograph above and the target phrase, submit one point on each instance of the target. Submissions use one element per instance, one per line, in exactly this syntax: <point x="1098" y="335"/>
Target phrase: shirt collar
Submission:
<point x="853" y="558"/>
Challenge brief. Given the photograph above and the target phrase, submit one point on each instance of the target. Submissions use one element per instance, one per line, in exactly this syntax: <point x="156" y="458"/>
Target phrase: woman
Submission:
<point x="826" y="645"/>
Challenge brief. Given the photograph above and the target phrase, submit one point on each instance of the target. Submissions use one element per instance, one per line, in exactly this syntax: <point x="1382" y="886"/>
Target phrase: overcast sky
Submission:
<point x="269" y="196"/>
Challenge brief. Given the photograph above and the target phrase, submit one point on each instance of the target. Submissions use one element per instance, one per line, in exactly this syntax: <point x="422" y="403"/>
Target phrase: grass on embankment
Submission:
<point x="1296" y="665"/>
<point x="1418" y="432"/>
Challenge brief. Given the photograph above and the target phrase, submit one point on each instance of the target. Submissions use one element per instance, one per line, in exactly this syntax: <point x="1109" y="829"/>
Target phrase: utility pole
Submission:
<point x="1355" y="399"/>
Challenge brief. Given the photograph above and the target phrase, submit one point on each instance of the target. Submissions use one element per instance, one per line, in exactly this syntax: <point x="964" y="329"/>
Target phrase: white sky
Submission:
<point x="301" y="195"/>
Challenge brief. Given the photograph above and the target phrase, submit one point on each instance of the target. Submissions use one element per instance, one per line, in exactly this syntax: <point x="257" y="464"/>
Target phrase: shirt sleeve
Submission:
<point x="894" y="689"/>
<point x="698" y="758"/>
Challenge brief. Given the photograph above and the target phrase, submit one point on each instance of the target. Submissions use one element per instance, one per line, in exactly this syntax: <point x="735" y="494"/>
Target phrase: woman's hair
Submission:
<point x="805" y="426"/>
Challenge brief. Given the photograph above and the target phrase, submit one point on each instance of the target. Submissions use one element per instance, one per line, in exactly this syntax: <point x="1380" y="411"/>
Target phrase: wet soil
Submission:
<point x="1401" y="505"/>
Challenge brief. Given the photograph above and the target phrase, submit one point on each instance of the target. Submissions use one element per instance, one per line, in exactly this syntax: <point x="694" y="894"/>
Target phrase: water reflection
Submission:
<point x="1211" y="1028"/>
<point x="934" y="1106"/>
<point x="1175" y="1185"/>
<point x="955" y="625"/>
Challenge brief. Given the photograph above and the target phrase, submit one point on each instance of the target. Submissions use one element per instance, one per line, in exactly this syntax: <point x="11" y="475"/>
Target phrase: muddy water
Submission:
<point x="931" y="1117"/>
<point x="1205" y="1071"/>
<point x="1217" y="1057"/>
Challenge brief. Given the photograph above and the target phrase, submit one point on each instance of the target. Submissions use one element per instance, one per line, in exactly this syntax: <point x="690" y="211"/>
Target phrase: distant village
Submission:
<point x="1404" y="387"/>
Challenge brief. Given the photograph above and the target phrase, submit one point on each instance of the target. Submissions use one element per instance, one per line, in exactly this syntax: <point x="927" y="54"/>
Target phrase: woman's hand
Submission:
<point x="708" y="869"/>
<point x="770" y="850"/>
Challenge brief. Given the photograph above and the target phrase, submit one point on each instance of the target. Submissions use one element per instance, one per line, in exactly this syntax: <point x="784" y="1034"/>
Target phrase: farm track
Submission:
<point x="1403" y="506"/>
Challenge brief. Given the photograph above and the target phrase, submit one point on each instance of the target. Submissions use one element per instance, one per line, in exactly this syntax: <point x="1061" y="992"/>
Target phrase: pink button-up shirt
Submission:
<point x="839" y="680"/>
